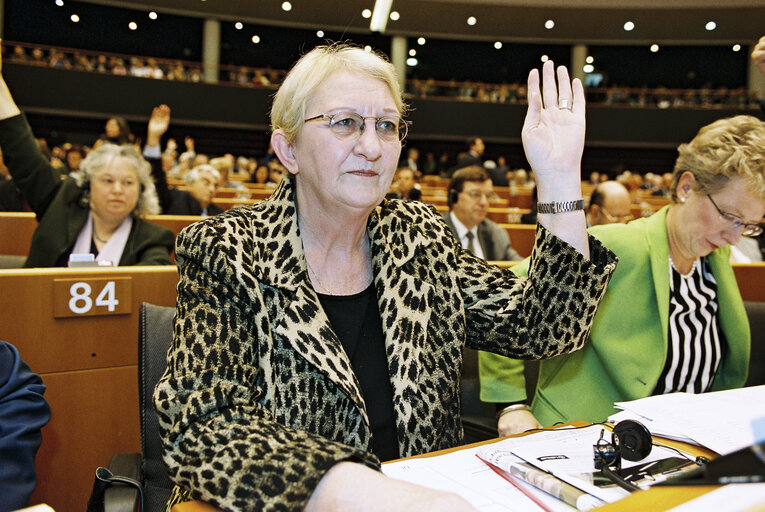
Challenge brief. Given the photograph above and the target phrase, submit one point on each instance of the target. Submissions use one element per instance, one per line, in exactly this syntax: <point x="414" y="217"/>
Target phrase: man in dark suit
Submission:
<point x="474" y="155"/>
<point x="469" y="193"/>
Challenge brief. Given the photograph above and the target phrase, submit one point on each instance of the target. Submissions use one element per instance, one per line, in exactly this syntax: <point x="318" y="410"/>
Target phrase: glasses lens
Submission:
<point x="346" y="124"/>
<point x="387" y="129"/>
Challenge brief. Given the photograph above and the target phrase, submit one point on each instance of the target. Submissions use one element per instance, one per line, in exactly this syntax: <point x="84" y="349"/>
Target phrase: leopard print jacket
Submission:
<point x="259" y="400"/>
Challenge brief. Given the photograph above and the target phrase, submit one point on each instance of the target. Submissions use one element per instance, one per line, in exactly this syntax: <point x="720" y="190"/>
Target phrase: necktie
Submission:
<point x="470" y="244"/>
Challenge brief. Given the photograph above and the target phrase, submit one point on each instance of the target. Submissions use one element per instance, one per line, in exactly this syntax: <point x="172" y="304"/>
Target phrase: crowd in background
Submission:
<point x="245" y="76"/>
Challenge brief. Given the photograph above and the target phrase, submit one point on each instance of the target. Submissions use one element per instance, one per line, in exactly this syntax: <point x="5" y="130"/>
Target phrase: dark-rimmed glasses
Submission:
<point x="350" y="125"/>
<point x="737" y="222"/>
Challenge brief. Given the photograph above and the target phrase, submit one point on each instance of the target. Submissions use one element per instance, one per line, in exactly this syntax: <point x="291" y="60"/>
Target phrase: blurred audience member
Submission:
<point x="610" y="203"/>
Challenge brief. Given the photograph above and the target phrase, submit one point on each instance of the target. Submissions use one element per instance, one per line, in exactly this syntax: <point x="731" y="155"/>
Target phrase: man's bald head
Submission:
<point x="610" y="202"/>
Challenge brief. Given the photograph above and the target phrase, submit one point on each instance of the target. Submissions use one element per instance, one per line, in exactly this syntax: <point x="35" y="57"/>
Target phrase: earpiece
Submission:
<point x="630" y="440"/>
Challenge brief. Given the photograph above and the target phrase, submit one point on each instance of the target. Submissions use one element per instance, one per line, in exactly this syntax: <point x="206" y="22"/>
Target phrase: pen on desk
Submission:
<point x="554" y="486"/>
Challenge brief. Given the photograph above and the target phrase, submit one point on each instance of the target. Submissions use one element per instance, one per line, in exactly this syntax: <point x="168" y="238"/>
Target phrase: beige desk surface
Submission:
<point x="657" y="499"/>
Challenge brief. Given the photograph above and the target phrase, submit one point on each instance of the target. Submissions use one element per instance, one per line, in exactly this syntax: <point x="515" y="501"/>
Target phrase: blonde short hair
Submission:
<point x="99" y="158"/>
<point x="728" y="148"/>
<point x="290" y="102"/>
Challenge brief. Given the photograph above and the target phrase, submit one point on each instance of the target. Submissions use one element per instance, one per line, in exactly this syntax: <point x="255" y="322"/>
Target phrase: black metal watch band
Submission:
<point x="565" y="206"/>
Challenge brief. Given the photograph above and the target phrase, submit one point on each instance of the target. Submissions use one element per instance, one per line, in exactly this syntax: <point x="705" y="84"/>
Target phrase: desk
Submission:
<point x="89" y="365"/>
<point x="657" y="499"/>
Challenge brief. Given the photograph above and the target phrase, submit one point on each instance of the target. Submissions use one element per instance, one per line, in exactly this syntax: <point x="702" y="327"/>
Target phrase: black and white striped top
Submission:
<point x="695" y="343"/>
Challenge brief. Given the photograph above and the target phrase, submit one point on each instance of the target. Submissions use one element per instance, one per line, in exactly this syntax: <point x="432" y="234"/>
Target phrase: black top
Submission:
<point x="356" y="321"/>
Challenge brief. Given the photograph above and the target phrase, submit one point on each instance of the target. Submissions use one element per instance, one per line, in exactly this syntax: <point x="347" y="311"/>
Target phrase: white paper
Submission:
<point x="721" y="421"/>
<point x="463" y="473"/>
<point x="730" y="498"/>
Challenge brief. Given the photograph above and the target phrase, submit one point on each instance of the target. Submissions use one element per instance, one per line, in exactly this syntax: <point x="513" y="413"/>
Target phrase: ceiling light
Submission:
<point x="498" y="45"/>
<point x="152" y="15"/>
<point x="74" y="18"/>
<point x="256" y="39"/>
<point x="549" y="24"/>
<point x="654" y="48"/>
<point x="472" y="21"/>
<point x="286" y="6"/>
<point x="132" y="25"/>
<point x="736" y="47"/>
<point x="395" y="16"/>
<point x="239" y="25"/>
<point x="544" y="58"/>
<point x="412" y="52"/>
<point x="319" y="33"/>
<point x="60" y="3"/>
<point x="366" y="13"/>
<point x="588" y="68"/>
<point x="411" y="61"/>
<point x="421" y="41"/>
<point x="711" y="25"/>
<point x="589" y="59"/>
<point x="380" y="15"/>
<point x="629" y="26"/>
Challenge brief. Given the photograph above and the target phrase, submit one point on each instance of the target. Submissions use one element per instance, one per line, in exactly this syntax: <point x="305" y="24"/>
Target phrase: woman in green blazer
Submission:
<point x="651" y="333"/>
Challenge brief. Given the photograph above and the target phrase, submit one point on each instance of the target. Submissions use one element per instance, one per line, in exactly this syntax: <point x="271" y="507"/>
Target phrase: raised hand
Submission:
<point x="553" y="132"/>
<point x="158" y="124"/>
<point x="758" y="55"/>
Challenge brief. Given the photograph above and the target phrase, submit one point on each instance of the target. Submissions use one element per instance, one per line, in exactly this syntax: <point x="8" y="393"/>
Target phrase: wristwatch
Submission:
<point x="565" y="206"/>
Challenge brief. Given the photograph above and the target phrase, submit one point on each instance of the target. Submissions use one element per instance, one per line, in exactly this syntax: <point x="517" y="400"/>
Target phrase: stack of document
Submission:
<point x="549" y="471"/>
<point x="723" y="421"/>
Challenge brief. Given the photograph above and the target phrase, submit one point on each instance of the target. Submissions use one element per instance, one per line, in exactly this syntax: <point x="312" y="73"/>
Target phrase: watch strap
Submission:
<point x="561" y="207"/>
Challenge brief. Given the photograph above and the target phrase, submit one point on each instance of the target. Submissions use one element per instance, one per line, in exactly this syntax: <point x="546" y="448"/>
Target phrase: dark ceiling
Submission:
<point x="585" y="21"/>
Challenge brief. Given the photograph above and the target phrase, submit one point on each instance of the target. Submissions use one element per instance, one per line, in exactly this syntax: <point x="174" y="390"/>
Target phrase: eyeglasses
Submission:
<point x="476" y="195"/>
<point x="350" y="125"/>
<point x="737" y="222"/>
<point x="623" y="219"/>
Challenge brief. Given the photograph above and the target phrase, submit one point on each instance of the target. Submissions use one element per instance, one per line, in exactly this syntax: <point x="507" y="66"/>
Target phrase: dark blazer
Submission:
<point x="256" y="369"/>
<point x="60" y="208"/>
<point x="495" y="242"/>
<point x="23" y="412"/>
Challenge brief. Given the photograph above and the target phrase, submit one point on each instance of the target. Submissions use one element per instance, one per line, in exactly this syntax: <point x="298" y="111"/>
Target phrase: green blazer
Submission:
<point x="60" y="209"/>
<point x="628" y="341"/>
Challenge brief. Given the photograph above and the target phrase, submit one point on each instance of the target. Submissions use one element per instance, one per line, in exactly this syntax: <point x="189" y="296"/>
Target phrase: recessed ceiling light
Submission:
<point x="412" y="52"/>
<point x="60" y="3"/>
<point x="544" y="58"/>
<point x="711" y="25"/>
<point x="319" y="33"/>
<point x="498" y="45"/>
<point x="132" y="25"/>
<point x="472" y="21"/>
<point x="629" y="26"/>
<point x="366" y="13"/>
<point x="239" y="25"/>
<point x="549" y="24"/>
<point x="394" y="15"/>
<point x="589" y="59"/>
<point x="286" y="6"/>
<point x="421" y="41"/>
<point x="654" y="48"/>
<point x="74" y="18"/>
<point x="256" y="39"/>
<point x="367" y="48"/>
<point x="152" y="15"/>
<point x="736" y="47"/>
<point x="588" y="68"/>
<point x="411" y="61"/>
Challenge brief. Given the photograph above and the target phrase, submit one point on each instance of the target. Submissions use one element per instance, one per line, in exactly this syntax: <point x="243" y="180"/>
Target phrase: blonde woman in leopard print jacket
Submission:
<point x="321" y="330"/>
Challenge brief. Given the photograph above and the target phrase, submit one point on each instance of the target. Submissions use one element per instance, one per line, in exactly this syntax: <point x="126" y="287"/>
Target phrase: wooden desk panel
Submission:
<point x="751" y="280"/>
<point x="521" y="237"/>
<point x="89" y="366"/>
<point x="16" y="231"/>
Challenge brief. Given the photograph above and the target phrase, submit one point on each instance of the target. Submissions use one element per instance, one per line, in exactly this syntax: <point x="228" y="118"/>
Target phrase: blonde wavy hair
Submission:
<point x="728" y="148"/>
<point x="289" y="108"/>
